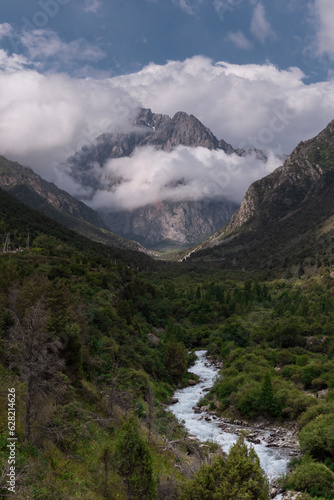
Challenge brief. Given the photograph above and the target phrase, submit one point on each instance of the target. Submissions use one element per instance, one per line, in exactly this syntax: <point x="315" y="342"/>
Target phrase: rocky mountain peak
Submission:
<point x="184" y="222"/>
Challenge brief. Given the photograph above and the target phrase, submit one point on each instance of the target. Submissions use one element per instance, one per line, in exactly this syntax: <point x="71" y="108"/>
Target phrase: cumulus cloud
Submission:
<point x="324" y="16"/>
<point x="239" y="103"/>
<point x="13" y="62"/>
<point x="260" y="26"/>
<point x="46" y="118"/>
<point x="151" y="176"/>
<point x="239" y="40"/>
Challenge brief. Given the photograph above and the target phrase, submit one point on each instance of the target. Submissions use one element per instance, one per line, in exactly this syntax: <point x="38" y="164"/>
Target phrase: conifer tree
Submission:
<point x="134" y="463"/>
<point x="268" y="401"/>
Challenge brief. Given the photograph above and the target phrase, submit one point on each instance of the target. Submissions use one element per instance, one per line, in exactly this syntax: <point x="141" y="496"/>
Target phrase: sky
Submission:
<point x="257" y="73"/>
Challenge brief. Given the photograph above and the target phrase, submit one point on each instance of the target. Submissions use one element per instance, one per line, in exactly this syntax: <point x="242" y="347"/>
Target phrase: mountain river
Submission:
<point x="206" y="427"/>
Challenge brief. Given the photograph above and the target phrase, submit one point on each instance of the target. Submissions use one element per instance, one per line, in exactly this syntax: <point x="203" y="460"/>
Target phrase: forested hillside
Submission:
<point x="95" y="340"/>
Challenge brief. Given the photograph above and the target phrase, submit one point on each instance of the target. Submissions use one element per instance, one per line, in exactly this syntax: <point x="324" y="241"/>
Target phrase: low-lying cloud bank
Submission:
<point x="150" y="176"/>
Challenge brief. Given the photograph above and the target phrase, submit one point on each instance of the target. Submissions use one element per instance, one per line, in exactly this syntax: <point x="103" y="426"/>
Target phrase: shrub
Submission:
<point x="313" y="478"/>
<point x="237" y="477"/>
<point x="317" y="437"/>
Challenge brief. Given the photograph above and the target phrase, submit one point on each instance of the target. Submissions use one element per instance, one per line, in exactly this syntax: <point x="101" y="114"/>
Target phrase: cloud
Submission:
<point x="151" y="176"/>
<point x="46" y="118"/>
<point x="13" y="62"/>
<point x="44" y="47"/>
<point x="260" y="26"/>
<point x="248" y="105"/>
<point x="189" y="6"/>
<point x="92" y="6"/>
<point x="239" y="40"/>
<point x="324" y="16"/>
<point x="5" y="30"/>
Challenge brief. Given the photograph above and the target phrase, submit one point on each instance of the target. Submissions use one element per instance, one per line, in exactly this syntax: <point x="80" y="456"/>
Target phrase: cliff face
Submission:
<point x="302" y="177"/>
<point x="182" y="223"/>
<point x="287" y="215"/>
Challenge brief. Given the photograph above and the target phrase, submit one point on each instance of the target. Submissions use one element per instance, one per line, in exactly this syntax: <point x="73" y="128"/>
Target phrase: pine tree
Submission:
<point x="268" y="401"/>
<point x="134" y="463"/>
<point x="175" y="360"/>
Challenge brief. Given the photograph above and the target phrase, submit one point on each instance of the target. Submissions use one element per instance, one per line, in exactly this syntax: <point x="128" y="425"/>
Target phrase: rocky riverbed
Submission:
<point x="275" y="445"/>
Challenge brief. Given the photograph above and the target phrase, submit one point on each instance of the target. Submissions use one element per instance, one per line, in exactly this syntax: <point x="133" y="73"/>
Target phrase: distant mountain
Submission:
<point x="31" y="189"/>
<point x="169" y="224"/>
<point x="183" y="222"/>
<point x="286" y="219"/>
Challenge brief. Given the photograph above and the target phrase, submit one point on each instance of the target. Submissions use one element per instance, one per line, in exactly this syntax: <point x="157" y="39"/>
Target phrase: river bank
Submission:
<point x="274" y="445"/>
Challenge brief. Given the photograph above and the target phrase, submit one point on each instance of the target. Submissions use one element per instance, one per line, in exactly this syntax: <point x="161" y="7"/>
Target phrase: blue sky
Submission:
<point x="258" y="73"/>
<point x="129" y="34"/>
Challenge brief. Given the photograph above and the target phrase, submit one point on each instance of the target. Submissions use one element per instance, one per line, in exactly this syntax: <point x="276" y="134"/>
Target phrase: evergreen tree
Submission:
<point x="175" y="360"/>
<point x="268" y="401"/>
<point x="134" y="463"/>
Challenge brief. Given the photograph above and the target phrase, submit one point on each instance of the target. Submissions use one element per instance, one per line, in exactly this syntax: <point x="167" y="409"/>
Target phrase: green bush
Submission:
<point x="313" y="478"/>
<point x="317" y="437"/>
<point x="237" y="477"/>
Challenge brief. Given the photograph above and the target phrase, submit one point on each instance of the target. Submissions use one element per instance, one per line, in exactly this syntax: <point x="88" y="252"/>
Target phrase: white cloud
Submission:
<point x="188" y="6"/>
<point x="152" y="176"/>
<point x="46" y="46"/>
<point x="12" y="63"/>
<point x="260" y="26"/>
<point x="239" y="103"/>
<point x="5" y="30"/>
<point x="239" y="40"/>
<point x="46" y="118"/>
<point x="324" y="17"/>
<point x="92" y="6"/>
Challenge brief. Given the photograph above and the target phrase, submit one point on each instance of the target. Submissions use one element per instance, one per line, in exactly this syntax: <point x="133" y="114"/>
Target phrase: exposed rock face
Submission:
<point x="286" y="214"/>
<point x="179" y="222"/>
<point x="184" y="222"/>
<point x="149" y="129"/>
<point x="288" y="187"/>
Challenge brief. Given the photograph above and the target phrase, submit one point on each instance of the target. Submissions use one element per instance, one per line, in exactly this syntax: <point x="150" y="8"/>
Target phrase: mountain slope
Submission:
<point x="286" y="218"/>
<point x="47" y="198"/>
<point x="147" y="224"/>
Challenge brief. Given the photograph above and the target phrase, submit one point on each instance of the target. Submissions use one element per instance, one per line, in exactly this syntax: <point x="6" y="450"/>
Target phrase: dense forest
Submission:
<point x="94" y="341"/>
